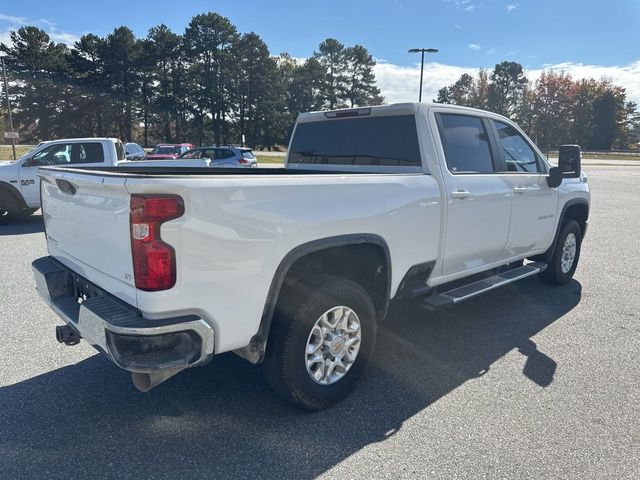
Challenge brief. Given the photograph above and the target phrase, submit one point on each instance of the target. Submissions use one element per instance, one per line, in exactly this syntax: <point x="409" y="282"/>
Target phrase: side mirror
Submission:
<point x="28" y="162"/>
<point x="555" y="177"/>
<point x="569" y="165"/>
<point x="569" y="160"/>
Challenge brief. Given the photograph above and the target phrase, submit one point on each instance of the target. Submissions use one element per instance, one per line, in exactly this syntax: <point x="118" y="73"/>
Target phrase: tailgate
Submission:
<point x="87" y="224"/>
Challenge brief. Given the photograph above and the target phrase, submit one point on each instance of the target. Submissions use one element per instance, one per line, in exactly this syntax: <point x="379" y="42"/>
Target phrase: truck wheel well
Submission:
<point x="361" y="258"/>
<point x="11" y="192"/>
<point x="363" y="263"/>
<point x="578" y="212"/>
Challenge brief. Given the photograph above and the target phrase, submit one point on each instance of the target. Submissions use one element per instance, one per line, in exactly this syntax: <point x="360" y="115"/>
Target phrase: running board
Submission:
<point x="440" y="300"/>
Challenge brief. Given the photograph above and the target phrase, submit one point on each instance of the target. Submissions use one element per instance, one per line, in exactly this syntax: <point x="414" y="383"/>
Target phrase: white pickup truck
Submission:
<point x="19" y="183"/>
<point x="160" y="269"/>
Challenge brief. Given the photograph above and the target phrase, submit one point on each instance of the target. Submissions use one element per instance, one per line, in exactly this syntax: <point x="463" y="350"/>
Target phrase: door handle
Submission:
<point x="519" y="190"/>
<point x="461" y="194"/>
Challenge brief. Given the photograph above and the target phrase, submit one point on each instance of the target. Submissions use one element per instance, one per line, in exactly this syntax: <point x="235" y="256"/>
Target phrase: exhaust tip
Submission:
<point x="142" y="381"/>
<point x="146" y="381"/>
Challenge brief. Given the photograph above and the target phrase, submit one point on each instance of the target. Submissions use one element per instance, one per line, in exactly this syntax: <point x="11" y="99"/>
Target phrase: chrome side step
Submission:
<point x="460" y="294"/>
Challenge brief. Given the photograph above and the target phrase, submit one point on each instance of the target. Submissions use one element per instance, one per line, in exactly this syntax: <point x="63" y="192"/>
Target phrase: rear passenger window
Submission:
<point x="466" y="144"/>
<point x="518" y="154"/>
<point x="223" y="153"/>
<point x="87" y="153"/>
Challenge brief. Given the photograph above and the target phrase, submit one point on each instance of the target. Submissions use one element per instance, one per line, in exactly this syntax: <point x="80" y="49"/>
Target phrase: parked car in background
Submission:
<point x="20" y="183"/>
<point x="133" y="151"/>
<point x="229" y="157"/>
<point x="168" y="150"/>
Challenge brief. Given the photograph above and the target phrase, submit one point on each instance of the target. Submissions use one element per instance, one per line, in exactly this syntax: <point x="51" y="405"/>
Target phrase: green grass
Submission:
<point x="6" y="153"/>
<point x="269" y="159"/>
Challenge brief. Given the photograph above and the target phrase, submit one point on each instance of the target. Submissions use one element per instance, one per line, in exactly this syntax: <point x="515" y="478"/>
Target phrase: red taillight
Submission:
<point x="154" y="262"/>
<point x="242" y="161"/>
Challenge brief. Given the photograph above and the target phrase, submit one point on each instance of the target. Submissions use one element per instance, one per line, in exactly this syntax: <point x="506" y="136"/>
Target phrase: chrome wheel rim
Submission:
<point x="568" y="253"/>
<point x="333" y="345"/>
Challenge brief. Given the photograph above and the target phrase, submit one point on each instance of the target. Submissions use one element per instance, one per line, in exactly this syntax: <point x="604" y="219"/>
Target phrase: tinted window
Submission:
<point x="64" y="154"/>
<point x="247" y="154"/>
<point x="166" y="150"/>
<point x="466" y="144"/>
<point x="222" y="153"/>
<point x="387" y="141"/>
<point x="88" y="153"/>
<point x="191" y="154"/>
<point x="517" y="153"/>
<point x="59" y="154"/>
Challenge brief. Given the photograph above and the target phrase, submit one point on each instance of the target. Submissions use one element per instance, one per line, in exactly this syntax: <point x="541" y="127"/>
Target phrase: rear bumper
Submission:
<point x="119" y="330"/>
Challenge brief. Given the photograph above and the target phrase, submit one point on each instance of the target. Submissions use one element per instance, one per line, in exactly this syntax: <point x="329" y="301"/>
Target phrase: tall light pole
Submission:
<point x="6" y="91"/>
<point x="422" y="51"/>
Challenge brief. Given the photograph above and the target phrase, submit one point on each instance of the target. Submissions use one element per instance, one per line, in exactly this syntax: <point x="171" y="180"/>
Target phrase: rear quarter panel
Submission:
<point x="237" y="229"/>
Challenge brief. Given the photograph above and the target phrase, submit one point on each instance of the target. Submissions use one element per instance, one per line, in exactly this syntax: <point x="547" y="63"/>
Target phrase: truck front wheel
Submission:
<point x="565" y="257"/>
<point x="9" y="209"/>
<point x="321" y="340"/>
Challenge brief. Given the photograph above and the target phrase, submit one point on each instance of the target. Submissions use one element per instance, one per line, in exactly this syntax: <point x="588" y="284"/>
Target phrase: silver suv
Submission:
<point x="227" y="157"/>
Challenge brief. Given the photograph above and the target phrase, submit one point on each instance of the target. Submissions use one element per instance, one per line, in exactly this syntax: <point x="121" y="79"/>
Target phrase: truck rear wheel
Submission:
<point x="565" y="257"/>
<point x="9" y="209"/>
<point x="321" y="341"/>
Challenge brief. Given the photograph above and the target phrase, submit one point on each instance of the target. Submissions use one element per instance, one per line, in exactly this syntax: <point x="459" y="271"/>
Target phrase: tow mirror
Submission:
<point x="569" y="165"/>
<point x="569" y="160"/>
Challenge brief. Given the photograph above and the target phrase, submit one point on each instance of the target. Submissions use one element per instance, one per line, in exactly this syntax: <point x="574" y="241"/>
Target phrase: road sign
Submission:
<point x="13" y="135"/>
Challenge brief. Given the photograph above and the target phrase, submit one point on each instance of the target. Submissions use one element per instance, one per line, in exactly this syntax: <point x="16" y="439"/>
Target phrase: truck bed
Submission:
<point x="238" y="226"/>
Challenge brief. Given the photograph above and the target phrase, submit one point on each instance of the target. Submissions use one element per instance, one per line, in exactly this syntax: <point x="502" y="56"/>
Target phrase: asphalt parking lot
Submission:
<point x="529" y="381"/>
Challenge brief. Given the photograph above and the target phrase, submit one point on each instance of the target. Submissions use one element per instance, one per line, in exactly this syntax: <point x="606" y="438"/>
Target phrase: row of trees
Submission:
<point x="214" y="85"/>
<point x="553" y="110"/>
<point x="208" y="85"/>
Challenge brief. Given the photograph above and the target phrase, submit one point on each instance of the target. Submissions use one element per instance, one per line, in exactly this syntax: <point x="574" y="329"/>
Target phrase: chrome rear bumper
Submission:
<point x="119" y="330"/>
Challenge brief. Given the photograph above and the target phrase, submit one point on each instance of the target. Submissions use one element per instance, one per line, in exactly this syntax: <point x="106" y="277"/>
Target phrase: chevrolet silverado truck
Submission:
<point x="19" y="182"/>
<point x="293" y="268"/>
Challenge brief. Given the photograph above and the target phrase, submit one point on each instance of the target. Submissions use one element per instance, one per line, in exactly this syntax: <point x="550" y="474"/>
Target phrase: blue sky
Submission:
<point x="587" y="37"/>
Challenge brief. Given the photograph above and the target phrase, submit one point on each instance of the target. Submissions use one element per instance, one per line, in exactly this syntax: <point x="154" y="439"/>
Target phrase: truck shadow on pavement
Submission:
<point x="31" y="224"/>
<point x="222" y="421"/>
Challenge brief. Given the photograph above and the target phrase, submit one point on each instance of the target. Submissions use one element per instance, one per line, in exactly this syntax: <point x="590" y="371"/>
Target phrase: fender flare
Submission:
<point x="546" y="256"/>
<point x="254" y="352"/>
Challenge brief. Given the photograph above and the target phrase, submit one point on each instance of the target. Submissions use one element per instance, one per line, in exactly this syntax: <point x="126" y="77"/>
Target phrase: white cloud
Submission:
<point x="512" y="7"/>
<point x="13" y="20"/>
<point x="63" y="37"/>
<point x="467" y="6"/>
<point x="491" y="51"/>
<point x="473" y="46"/>
<point x="400" y="84"/>
<point x="457" y="26"/>
<point x="9" y="23"/>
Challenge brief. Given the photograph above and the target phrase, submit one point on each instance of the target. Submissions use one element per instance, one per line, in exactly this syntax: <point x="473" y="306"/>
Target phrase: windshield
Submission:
<point x="166" y="150"/>
<point x="375" y="141"/>
<point x="28" y="153"/>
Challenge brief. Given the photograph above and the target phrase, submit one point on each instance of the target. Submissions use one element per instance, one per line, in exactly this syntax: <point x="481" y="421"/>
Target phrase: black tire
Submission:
<point x="554" y="274"/>
<point x="298" y="310"/>
<point x="9" y="208"/>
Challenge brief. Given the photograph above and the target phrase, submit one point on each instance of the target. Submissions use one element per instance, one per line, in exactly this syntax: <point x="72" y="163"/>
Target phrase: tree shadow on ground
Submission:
<point x="86" y="420"/>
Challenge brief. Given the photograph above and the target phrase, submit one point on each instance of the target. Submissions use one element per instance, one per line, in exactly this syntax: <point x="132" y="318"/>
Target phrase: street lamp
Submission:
<point x="6" y="91"/>
<point x="422" y="50"/>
